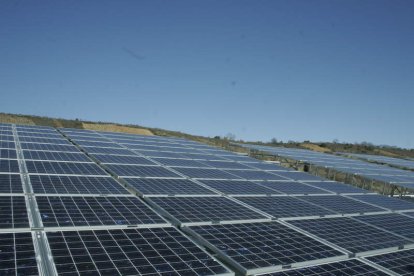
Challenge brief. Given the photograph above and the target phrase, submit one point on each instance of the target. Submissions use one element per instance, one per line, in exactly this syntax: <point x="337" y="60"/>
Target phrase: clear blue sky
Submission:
<point x="294" y="70"/>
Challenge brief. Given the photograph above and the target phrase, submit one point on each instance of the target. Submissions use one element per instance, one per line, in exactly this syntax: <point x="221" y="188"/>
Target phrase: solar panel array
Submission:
<point x="398" y="162"/>
<point x="376" y="172"/>
<point x="83" y="202"/>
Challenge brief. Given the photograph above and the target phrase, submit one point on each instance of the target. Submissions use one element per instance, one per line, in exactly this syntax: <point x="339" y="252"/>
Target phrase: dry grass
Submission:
<point x="315" y="147"/>
<point x="387" y="153"/>
<point x="117" y="128"/>
<point x="15" y="119"/>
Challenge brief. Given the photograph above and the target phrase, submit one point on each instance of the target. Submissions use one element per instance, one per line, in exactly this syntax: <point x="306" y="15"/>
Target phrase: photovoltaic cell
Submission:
<point x="153" y="186"/>
<point x="238" y="187"/>
<point x="202" y="156"/>
<point x="8" y="154"/>
<point x="17" y="255"/>
<point x="255" y="175"/>
<point x="123" y="159"/>
<point x="49" y="135"/>
<point x="101" y="144"/>
<point x="92" y="211"/>
<point x="291" y="187"/>
<point x="10" y="183"/>
<point x="263" y="245"/>
<point x="285" y="207"/>
<point x="141" y="171"/>
<point x="155" y="251"/>
<point x="13" y="212"/>
<point x="401" y="262"/>
<point x="55" y="156"/>
<point x="29" y="139"/>
<point x="351" y="267"/>
<point x="205" y="173"/>
<point x="350" y="234"/>
<point x="386" y="202"/>
<point x="7" y="144"/>
<point x="48" y="147"/>
<point x="115" y="151"/>
<point x="59" y="184"/>
<point x="9" y="138"/>
<point x="205" y="209"/>
<point x="225" y="165"/>
<point x="341" y="204"/>
<point x="336" y="187"/>
<point x="180" y="162"/>
<point x="299" y="176"/>
<point x="394" y="223"/>
<point x="266" y="166"/>
<point x="47" y="167"/>
<point x="9" y="166"/>
<point x="161" y="154"/>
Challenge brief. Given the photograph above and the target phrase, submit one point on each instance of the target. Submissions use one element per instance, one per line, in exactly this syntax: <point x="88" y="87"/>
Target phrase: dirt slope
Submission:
<point x="117" y="128"/>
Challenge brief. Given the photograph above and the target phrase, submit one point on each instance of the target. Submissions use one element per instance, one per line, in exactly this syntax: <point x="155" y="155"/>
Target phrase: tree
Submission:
<point x="230" y="136"/>
<point x="273" y="141"/>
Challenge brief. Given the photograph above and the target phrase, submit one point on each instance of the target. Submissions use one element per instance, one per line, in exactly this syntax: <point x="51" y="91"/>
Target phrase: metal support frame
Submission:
<point x="43" y="252"/>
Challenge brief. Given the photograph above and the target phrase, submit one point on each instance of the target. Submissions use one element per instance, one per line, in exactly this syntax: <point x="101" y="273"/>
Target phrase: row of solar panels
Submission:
<point x="98" y="238"/>
<point x="375" y="172"/>
<point x="403" y="163"/>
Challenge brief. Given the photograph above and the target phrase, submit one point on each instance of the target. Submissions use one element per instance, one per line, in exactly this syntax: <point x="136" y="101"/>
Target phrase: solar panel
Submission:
<point x="10" y="183"/>
<point x="161" y="154"/>
<point x="285" y="206"/>
<point x="205" y="209"/>
<point x="262" y="246"/>
<point x="240" y="158"/>
<point x="48" y="135"/>
<point x="48" y="147"/>
<point x="205" y="173"/>
<point x="59" y="184"/>
<point x="336" y="187"/>
<point x="7" y="144"/>
<point x="141" y="171"/>
<point x="47" y="167"/>
<point x="41" y="140"/>
<point x="55" y="156"/>
<point x="400" y="262"/>
<point x="255" y="175"/>
<point x="225" y="164"/>
<point x="92" y="138"/>
<point x="123" y="159"/>
<point x="386" y="202"/>
<point x="350" y="234"/>
<point x="291" y="187"/>
<point x="115" y="151"/>
<point x="156" y="251"/>
<point x="17" y="254"/>
<point x="238" y="187"/>
<point x="395" y="223"/>
<point x="13" y="212"/>
<point x="351" y="267"/>
<point x="369" y="171"/>
<point x="300" y="176"/>
<point x="6" y="132"/>
<point x="153" y="186"/>
<point x="8" y="154"/>
<point x="266" y="166"/>
<point x="66" y="211"/>
<point x="341" y="204"/>
<point x="100" y="144"/>
<point x="6" y="137"/>
<point x="180" y="162"/>
<point x="202" y="156"/>
<point x="9" y="166"/>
